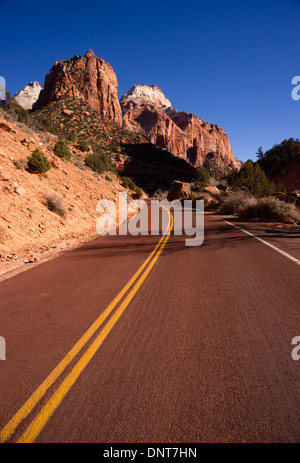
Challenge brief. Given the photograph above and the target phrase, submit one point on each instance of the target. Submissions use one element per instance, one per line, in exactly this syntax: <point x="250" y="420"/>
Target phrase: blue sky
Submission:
<point x="228" y="62"/>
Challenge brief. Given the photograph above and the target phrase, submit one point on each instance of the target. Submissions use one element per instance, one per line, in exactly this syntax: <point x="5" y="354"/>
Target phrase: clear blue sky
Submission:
<point x="228" y="62"/>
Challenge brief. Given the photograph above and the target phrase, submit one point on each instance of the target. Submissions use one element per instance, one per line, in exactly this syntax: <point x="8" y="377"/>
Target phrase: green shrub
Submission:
<point x="139" y="192"/>
<point x="108" y="178"/>
<point x="113" y="145"/>
<point x="46" y="124"/>
<point x="83" y="145"/>
<point x="200" y="180"/>
<point x="72" y="136"/>
<point x="98" y="162"/>
<point x="127" y="182"/>
<point x="251" y="179"/>
<point x="38" y="163"/>
<point x="61" y="150"/>
<point x="10" y="105"/>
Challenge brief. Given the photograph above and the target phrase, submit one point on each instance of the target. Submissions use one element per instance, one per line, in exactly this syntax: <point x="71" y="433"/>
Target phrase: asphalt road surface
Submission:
<point x="142" y="339"/>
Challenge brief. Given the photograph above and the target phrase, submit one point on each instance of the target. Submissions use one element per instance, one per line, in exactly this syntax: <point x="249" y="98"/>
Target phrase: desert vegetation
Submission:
<point x="55" y="204"/>
<point x="249" y="196"/>
<point x="98" y="161"/>
<point x="249" y="207"/>
<point x="61" y="149"/>
<point x="276" y="158"/>
<point x="37" y="163"/>
<point x="127" y="182"/>
<point x="251" y="179"/>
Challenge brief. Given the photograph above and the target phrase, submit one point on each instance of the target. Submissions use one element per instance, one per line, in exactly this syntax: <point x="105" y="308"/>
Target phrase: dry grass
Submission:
<point x="56" y="204"/>
<point x="268" y="208"/>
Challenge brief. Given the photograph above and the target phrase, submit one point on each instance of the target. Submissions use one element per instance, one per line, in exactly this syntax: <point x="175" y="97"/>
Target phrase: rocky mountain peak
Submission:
<point x="87" y="78"/>
<point x="147" y="94"/>
<point x="89" y="53"/>
<point x="28" y="95"/>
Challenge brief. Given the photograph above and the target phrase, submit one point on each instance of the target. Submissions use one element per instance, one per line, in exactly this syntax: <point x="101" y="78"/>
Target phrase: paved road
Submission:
<point x="197" y="350"/>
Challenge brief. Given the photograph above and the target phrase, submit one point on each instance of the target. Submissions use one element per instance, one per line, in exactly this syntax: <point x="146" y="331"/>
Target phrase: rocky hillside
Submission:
<point x="151" y="167"/>
<point x="289" y="177"/>
<point x="281" y="163"/>
<point x="43" y="212"/>
<point x="147" y="111"/>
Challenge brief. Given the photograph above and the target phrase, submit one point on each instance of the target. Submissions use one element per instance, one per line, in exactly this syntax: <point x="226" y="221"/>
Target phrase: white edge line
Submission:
<point x="265" y="242"/>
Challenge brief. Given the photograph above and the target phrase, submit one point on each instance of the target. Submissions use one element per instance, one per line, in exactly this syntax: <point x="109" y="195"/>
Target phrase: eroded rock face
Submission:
<point x="28" y="95"/>
<point x="85" y="77"/>
<point x="181" y="133"/>
<point x="147" y="94"/>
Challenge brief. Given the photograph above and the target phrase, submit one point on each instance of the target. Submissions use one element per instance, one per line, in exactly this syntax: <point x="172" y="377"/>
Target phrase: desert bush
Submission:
<point x="268" y="209"/>
<point x="108" y="178"/>
<point x="55" y="204"/>
<point x="138" y="192"/>
<point x="83" y="145"/>
<point x="10" y="105"/>
<point x="78" y="163"/>
<point x="200" y="180"/>
<point x="21" y="164"/>
<point x="38" y="163"/>
<point x="61" y="150"/>
<point x="72" y="136"/>
<point x="234" y="201"/>
<point x="127" y="182"/>
<point x="98" y="162"/>
<point x="45" y="124"/>
<point x="113" y="145"/>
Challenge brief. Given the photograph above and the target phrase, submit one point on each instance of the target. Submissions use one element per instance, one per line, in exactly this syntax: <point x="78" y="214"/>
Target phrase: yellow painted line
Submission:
<point x="47" y="411"/>
<point x="39" y="393"/>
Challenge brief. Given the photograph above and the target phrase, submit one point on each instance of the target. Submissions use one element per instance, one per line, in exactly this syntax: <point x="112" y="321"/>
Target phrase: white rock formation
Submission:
<point x="29" y="95"/>
<point x="147" y="94"/>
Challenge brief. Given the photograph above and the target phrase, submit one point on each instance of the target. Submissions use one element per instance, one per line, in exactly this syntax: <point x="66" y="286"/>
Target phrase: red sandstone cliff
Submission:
<point x="85" y="77"/>
<point x="146" y="110"/>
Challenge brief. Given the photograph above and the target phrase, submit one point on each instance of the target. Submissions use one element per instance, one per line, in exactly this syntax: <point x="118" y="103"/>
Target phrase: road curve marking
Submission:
<point x="39" y="393"/>
<point x="266" y="243"/>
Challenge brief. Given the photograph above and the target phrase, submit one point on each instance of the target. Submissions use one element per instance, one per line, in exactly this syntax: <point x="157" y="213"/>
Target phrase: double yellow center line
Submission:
<point x="39" y="421"/>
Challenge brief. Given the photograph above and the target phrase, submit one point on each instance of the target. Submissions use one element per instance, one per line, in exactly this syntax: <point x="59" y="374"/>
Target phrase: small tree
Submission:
<point x="260" y="154"/>
<point x="38" y="163"/>
<point x="83" y="145"/>
<point x="201" y="179"/>
<point x="127" y="182"/>
<point x="72" y="136"/>
<point x="98" y="162"/>
<point x="252" y="179"/>
<point x="61" y="150"/>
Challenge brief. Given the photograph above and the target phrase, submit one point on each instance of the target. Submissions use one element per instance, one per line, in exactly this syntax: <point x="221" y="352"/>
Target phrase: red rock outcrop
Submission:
<point x="85" y="77"/>
<point x="183" y="134"/>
